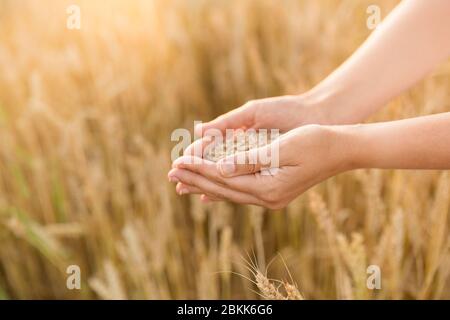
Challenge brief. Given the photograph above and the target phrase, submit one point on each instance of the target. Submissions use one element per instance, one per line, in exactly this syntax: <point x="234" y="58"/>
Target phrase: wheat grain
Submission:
<point x="238" y="142"/>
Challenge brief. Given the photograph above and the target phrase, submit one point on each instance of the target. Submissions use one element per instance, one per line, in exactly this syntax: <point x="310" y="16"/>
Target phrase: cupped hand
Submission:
<point x="283" y="113"/>
<point x="307" y="156"/>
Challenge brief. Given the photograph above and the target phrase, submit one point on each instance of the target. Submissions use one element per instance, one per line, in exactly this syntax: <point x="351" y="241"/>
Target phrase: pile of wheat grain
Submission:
<point x="239" y="141"/>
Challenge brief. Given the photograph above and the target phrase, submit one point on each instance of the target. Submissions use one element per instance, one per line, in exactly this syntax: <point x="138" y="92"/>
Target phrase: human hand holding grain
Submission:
<point x="411" y="41"/>
<point x="313" y="153"/>
<point x="404" y="48"/>
<point x="307" y="155"/>
<point x="283" y="113"/>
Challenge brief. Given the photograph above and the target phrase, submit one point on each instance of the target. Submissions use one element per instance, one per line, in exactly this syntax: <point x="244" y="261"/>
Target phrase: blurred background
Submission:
<point x="85" y="123"/>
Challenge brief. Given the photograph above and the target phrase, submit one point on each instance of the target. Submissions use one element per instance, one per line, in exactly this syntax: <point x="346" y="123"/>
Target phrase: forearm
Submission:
<point x="418" y="143"/>
<point x="407" y="45"/>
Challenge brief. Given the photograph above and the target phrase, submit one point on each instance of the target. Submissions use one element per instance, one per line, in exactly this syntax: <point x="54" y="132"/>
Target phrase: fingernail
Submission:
<point x="174" y="179"/>
<point x="183" y="191"/>
<point x="227" y="168"/>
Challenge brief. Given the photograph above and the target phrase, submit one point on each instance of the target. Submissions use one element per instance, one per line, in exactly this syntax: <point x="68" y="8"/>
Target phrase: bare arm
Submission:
<point x="313" y="153"/>
<point x="411" y="41"/>
<point x="408" y="44"/>
<point x="417" y="143"/>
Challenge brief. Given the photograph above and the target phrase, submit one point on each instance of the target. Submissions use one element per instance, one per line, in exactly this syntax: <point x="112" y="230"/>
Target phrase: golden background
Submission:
<point x="85" y="123"/>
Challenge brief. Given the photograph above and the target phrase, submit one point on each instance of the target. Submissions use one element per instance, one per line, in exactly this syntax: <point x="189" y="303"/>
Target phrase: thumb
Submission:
<point x="249" y="162"/>
<point x="234" y="119"/>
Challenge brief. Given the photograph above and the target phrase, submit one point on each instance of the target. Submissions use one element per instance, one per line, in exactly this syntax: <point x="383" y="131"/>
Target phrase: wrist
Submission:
<point x="322" y="107"/>
<point x="335" y="105"/>
<point x="346" y="144"/>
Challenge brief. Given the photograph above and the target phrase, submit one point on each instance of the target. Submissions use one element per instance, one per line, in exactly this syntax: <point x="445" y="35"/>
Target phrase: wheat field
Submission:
<point x="85" y="123"/>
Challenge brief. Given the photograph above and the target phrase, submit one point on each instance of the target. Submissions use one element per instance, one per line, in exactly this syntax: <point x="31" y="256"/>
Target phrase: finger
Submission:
<point x="207" y="199"/>
<point x="188" y="162"/>
<point x="204" y="167"/>
<point x="251" y="161"/>
<point x="209" y="187"/>
<point x="237" y="118"/>
<point x="245" y="183"/>
<point x="183" y="189"/>
<point x="198" y="147"/>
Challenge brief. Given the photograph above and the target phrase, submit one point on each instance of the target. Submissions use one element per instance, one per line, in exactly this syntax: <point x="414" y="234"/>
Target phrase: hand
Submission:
<point x="307" y="156"/>
<point x="283" y="113"/>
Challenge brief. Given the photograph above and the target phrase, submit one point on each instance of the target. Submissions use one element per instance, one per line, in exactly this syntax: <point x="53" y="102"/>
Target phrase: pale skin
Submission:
<point x="320" y="139"/>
